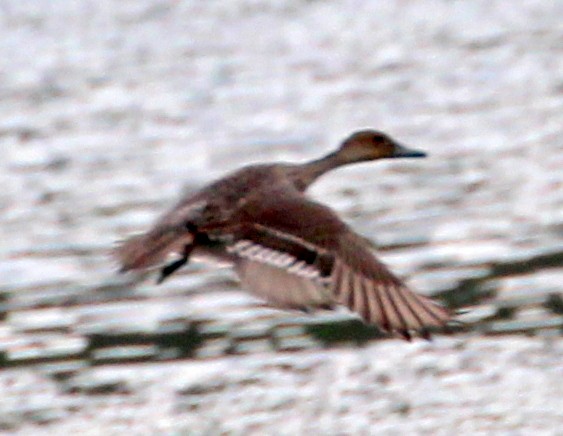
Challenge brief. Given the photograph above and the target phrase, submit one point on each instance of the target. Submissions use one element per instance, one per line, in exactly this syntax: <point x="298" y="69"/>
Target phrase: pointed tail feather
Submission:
<point x="147" y="250"/>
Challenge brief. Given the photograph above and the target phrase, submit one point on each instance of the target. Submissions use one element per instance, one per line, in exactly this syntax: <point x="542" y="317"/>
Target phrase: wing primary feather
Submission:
<point x="338" y="281"/>
<point x="385" y="322"/>
<point x="351" y="297"/>
<point x="426" y="306"/>
<point x="359" y="296"/>
<point x="393" y="316"/>
<point x="404" y="295"/>
<point x="366" y="312"/>
<point x="376" y="313"/>
<point x="402" y="325"/>
<point x="347" y="289"/>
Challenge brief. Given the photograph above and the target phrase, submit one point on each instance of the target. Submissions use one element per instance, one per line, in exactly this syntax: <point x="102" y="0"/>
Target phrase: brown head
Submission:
<point x="366" y="145"/>
<point x="361" y="146"/>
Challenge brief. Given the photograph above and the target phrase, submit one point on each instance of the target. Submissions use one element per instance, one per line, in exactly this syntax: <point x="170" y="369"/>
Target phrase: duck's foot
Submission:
<point x="171" y="268"/>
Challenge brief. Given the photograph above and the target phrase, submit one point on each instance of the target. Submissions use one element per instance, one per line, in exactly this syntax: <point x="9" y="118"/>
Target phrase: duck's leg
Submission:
<point x="171" y="268"/>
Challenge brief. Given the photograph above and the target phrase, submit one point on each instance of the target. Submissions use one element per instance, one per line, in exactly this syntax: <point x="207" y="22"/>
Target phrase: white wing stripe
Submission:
<point x="249" y="250"/>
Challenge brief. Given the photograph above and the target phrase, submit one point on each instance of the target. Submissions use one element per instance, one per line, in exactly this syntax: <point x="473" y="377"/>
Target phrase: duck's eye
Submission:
<point x="379" y="139"/>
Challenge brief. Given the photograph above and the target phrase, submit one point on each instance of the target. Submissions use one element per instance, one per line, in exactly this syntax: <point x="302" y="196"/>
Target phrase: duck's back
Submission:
<point x="213" y="205"/>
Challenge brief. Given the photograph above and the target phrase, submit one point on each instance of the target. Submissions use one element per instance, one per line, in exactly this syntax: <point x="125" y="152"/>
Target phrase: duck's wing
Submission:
<point x="297" y="253"/>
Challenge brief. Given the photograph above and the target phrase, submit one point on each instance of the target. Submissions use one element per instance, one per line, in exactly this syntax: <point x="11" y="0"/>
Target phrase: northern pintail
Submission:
<point x="287" y="248"/>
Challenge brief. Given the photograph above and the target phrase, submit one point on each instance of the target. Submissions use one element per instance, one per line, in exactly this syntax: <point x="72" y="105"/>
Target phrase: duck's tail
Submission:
<point x="144" y="251"/>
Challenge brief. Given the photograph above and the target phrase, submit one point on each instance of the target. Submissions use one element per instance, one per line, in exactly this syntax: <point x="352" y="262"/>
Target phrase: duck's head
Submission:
<point x="366" y="145"/>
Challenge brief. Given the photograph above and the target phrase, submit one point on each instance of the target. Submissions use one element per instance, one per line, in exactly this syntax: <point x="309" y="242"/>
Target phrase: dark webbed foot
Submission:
<point x="171" y="268"/>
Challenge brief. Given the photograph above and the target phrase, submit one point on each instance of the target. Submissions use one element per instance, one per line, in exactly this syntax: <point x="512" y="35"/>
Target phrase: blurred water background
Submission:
<point x="110" y="109"/>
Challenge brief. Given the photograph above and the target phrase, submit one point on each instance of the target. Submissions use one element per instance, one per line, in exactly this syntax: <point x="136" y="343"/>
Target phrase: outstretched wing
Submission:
<point x="297" y="253"/>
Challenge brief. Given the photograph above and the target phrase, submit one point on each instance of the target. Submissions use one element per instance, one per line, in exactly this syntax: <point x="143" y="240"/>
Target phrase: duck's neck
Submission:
<point x="304" y="175"/>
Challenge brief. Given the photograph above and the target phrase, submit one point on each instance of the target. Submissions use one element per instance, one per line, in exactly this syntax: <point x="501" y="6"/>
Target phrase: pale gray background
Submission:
<point x="109" y="109"/>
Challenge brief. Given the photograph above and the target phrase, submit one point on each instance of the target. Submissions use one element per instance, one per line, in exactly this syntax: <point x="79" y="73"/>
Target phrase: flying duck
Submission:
<point x="288" y="249"/>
